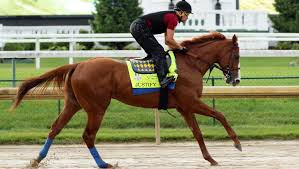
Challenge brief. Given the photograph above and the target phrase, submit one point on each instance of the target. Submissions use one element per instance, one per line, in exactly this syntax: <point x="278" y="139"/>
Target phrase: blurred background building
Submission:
<point x="221" y="15"/>
<point x="72" y="16"/>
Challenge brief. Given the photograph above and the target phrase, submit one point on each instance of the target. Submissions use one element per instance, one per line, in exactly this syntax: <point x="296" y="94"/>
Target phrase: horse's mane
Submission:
<point x="204" y="38"/>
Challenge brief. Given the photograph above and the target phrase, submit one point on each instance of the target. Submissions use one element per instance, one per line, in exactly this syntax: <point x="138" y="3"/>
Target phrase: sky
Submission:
<point x="70" y="7"/>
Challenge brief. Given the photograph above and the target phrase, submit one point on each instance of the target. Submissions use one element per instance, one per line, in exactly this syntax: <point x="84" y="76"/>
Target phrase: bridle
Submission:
<point x="227" y="70"/>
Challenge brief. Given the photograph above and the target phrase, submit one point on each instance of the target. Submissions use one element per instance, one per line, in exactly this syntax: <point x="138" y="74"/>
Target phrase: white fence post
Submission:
<point x="157" y="126"/>
<point x="71" y="48"/>
<point x="37" y="50"/>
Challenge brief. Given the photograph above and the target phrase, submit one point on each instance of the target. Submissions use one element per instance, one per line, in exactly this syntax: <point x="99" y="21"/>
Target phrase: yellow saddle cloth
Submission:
<point x="142" y="73"/>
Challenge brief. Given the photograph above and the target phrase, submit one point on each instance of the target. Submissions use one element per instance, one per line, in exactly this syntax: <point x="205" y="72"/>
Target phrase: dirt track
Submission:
<point x="255" y="155"/>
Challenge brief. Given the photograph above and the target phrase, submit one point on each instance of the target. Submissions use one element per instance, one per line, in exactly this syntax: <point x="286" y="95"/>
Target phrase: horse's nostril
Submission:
<point x="228" y="81"/>
<point x="238" y="81"/>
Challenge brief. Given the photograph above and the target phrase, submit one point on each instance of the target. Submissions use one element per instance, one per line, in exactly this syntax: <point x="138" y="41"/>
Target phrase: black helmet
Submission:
<point x="183" y="6"/>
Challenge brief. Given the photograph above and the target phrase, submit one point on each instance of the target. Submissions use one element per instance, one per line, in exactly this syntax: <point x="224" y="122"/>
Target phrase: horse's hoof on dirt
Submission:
<point x="112" y="166"/>
<point x="238" y="146"/>
<point x="214" y="163"/>
<point x="34" y="163"/>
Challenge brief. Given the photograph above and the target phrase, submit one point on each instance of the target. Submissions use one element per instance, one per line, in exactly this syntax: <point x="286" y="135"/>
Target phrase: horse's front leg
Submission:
<point x="201" y="108"/>
<point x="193" y="125"/>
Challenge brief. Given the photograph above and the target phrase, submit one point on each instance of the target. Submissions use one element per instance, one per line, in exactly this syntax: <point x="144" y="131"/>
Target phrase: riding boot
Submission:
<point x="161" y="69"/>
<point x="162" y="78"/>
<point x="148" y="57"/>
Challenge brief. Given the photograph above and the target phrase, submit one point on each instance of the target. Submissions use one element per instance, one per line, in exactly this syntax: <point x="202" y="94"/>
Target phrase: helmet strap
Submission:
<point x="180" y="16"/>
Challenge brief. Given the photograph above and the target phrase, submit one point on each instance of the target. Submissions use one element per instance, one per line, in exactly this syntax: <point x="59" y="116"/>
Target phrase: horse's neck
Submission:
<point x="205" y="63"/>
<point x="200" y="65"/>
<point x="205" y="56"/>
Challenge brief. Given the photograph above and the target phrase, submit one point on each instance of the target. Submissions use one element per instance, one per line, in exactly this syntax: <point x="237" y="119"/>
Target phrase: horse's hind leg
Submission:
<point x="193" y="125"/>
<point x="69" y="110"/>
<point x="89" y="135"/>
<point x="95" y="110"/>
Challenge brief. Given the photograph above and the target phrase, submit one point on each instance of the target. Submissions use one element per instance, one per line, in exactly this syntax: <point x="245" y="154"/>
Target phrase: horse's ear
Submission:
<point x="235" y="39"/>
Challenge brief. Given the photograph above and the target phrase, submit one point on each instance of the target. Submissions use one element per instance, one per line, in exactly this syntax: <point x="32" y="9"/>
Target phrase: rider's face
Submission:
<point x="185" y="16"/>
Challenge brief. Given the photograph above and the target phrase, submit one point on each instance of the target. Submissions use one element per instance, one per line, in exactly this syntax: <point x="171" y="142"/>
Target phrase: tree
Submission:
<point x="115" y="16"/>
<point x="288" y="18"/>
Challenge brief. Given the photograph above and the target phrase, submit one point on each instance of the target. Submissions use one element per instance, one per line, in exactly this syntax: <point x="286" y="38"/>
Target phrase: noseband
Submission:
<point x="228" y="69"/>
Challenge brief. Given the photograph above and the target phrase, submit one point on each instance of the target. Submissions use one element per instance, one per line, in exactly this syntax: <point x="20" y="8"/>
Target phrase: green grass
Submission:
<point x="251" y="118"/>
<point x="41" y="114"/>
<point x="74" y="136"/>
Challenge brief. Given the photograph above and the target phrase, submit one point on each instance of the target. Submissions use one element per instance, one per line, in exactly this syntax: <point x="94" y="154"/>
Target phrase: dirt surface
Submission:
<point x="255" y="155"/>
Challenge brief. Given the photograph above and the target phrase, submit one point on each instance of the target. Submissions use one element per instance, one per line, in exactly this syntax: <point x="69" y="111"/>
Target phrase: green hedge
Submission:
<point x="287" y="46"/>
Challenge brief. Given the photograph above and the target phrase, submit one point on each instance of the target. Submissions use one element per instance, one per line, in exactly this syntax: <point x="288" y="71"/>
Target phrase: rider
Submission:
<point x="144" y="28"/>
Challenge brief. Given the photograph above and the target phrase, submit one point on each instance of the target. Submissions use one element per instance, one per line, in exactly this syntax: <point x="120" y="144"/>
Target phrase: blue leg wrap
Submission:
<point x="43" y="153"/>
<point x="96" y="156"/>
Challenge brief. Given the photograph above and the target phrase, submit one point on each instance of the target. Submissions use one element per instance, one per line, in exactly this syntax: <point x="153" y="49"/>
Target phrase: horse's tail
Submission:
<point x="57" y="76"/>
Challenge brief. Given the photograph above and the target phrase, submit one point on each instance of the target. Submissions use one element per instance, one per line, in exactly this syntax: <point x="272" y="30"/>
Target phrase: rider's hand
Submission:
<point x="183" y="50"/>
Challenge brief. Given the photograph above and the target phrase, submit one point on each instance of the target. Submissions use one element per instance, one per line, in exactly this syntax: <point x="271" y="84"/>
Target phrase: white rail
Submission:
<point x="45" y="29"/>
<point x="129" y="53"/>
<point x="246" y="41"/>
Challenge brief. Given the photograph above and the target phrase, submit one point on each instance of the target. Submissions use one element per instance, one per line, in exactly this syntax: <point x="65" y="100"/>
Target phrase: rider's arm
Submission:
<point x="169" y="40"/>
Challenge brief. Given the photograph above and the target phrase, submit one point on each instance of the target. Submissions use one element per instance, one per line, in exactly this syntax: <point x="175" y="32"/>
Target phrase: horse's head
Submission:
<point x="229" y="61"/>
<point x="205" y="51"/>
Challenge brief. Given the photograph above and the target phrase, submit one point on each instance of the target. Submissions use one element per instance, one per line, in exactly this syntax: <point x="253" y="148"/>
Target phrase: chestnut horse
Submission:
<point x="93" y="83"/>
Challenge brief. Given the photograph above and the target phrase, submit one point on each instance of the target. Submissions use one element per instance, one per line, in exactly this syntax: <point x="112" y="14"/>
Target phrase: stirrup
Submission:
<point x="164" y="83"/>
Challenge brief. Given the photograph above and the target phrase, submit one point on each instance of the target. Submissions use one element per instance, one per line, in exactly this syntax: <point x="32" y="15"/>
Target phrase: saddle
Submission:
<point x="146" y="65"/>
<point x="142" y="72"/>
<point x="145" y="80"/>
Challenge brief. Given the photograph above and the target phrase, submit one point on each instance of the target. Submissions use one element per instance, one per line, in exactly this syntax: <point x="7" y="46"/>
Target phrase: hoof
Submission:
<point x="214" y="163"/>
<point x="112" y="166"/>
<point x="238" y="146"/>
<point x="34" y="163"/>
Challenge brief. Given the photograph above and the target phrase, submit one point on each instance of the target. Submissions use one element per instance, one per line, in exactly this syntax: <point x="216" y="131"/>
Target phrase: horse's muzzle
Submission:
<point x="236" y="81"/>
<point x="233" y="81"/>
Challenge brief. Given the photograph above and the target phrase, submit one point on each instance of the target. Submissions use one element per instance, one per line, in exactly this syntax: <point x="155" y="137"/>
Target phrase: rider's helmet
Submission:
<point x="183" y="6"/>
